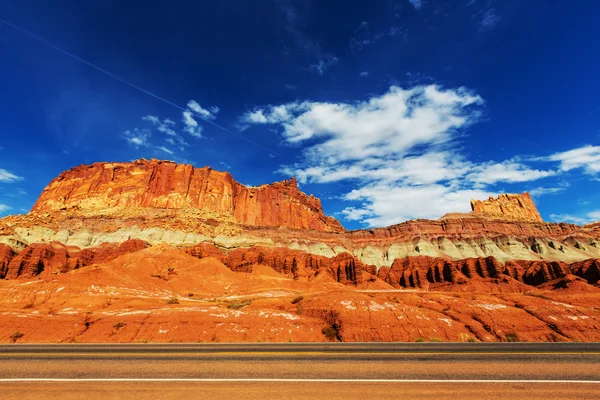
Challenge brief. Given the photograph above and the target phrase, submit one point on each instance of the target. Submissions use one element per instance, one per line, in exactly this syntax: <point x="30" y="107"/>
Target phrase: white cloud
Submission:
<point x="389" y="204"/>
<point x="165" y="126"/>
<point x="387" y="125"/>
<point x="164" y="149"/>
<point x="541" y="191"/>
<point x="151" y="118"/>
<point x="138" y="137"/>
<point x="4" y="208"/>
<point x="399" y="149"/>
<point x="191" y="125"/>
<point x="416" y="3"/>
<point x="588" y="218"/>
<point x="507" y="171"/>
<point x="9" y="177"/>
<point x="195" y="109"/>
<point x="586" y="157"/>
<point x="202" y="112"/>
<point x="364" y="74"/>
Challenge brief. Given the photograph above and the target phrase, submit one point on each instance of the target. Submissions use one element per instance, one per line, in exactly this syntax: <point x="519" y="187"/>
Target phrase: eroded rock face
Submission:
<point x="50" y="258"/>
<point x="343" y="268"/>
<point x="516" y="207"/>
<point x="165" y="184"/>
<point x="429" y="272"/>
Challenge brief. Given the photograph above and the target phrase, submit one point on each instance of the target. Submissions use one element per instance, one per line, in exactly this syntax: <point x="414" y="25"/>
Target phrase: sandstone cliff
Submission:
<point x="167" y="185"/>
<point x="516" y="207"/>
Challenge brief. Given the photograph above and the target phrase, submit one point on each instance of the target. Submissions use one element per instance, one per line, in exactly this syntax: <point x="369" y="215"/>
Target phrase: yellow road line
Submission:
<point x="284" y="353"/>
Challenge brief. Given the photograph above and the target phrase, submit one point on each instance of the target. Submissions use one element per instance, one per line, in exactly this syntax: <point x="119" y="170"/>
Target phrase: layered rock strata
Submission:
<point x="164" y="184"/>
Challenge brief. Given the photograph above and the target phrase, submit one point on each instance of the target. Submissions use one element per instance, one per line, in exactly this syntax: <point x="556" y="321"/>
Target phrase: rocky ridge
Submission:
<point x="130" y="250"/>
<point x="167" y="185"/>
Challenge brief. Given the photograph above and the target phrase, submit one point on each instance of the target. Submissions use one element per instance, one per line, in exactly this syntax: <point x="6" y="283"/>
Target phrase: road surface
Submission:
<point x="301" y="371"/>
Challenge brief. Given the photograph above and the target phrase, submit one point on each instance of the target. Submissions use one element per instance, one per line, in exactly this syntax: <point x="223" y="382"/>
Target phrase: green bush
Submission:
<point x="239" y="304"/>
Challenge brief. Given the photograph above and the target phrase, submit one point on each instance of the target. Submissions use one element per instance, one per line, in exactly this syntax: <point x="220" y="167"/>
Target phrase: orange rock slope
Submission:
<point x="165" y="184"/>
<point x="156" y="251"/>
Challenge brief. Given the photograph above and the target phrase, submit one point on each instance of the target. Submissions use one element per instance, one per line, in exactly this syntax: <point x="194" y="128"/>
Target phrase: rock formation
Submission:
<point x="54" y="258"/>
<point x="428" y="272"/>
<point x="516" y="207"/>
<point x="165" y="184"/>
<point x="156" y="251"/>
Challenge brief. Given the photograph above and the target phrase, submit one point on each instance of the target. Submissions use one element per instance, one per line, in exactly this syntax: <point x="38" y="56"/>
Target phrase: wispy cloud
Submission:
<point x="323" y="65"/>
<point x="488" y="19"/>
<point x="9" y="177"/>
<point x="417" y="4"/>
<point x="138" y="137"/>
<point x="164" y="149"/>
<point x="587" y="218"/>
<point x="541" y="191"/>
<point x="364" y="74"/>
<point x="4" y="208"/>
<point x="586" y="158"/>
<point x="294" y="22"/>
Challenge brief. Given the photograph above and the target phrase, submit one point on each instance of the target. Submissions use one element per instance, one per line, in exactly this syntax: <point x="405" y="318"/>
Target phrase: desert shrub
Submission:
<point x="119" y="325"/>
<point x="297" y="299"/>
<point x="419" y="340"/>
<point x="435" y="339"/>
<point x="235" y="305"/>
<point x="538" y="295"/>
<point x="512" y="337"/>
<point x="16" y="336"/>
<point x="332" y="332"/>
<point x="173" y="300"/>
<point x="190" y="294"/>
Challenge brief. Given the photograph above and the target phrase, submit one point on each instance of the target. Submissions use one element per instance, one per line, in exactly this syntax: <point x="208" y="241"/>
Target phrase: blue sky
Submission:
<point x="387" y="110"/>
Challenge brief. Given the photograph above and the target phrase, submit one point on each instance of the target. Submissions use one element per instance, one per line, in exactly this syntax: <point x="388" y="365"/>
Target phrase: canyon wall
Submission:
<point x="167" y="185"/>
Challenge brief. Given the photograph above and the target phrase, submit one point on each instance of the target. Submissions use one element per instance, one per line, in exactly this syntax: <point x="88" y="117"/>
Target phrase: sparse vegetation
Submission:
<point x="190" y="294"/>
<point x="173" y="300"/>
<point x="119" y="325"/>
<point x="235" y="305"/>
<point x="419" y="340"/>
<point x="297" y="299"/>
<point x="538" y="295"/>
<point x="435" y="339"/>
<point x="512" y="337"/>
<point x="16" y="336"/>
<point x="332" y="332"/>
<point x="299" y="309"/>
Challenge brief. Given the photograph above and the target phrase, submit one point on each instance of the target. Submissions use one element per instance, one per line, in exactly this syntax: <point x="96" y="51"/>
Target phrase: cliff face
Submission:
<point x="164" y="184"/>
<point x="517" y="207"/>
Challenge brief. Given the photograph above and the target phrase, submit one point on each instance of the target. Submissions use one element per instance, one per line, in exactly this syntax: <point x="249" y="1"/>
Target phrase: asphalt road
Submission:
<point x="301" y="371"/>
